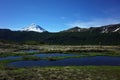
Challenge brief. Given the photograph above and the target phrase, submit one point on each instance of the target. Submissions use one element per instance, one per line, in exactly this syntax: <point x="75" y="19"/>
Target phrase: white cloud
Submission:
<point x="94" y="22"/>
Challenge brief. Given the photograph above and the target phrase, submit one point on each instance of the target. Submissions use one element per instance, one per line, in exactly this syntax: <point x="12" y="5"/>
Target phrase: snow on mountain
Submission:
<point x="101" y="29"/>
<point x="110" y="28"/>
<point x="116" y="29"/>
<point x="34" y="27"/>
<point x="104" y="30"/>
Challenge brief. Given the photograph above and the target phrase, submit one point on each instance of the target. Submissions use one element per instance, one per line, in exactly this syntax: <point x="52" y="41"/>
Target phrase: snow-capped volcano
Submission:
<point x="34" y="27"/>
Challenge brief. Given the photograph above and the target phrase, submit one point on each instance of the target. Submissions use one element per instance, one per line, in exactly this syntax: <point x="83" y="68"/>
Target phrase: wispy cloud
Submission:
<point x="94" y="22"/>
<point x="63" y="18"/>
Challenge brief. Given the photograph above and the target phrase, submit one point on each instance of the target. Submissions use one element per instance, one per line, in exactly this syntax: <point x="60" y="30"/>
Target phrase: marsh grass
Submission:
<point x="113" y="50"/>
<point x="17" y="54"/>
<point x="58" y="72"/>
<point x="62" y="73"/>
<point x="81" y="53"/>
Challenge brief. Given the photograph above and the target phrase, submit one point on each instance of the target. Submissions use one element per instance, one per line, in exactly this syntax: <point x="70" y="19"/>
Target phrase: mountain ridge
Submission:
<point x="101" y="29"/>
<point x="60" y="38"/>
<point x="75" y="29"/>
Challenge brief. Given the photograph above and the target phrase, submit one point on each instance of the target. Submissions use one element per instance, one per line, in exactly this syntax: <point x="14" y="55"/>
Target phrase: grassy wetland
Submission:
<point x="58" y="72"/>
<point x="69" y="40"/>
<point x="62" y="73"/>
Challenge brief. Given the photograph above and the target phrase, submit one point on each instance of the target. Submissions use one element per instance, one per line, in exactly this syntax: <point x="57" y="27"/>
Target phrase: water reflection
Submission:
<point x="98" y="60"/>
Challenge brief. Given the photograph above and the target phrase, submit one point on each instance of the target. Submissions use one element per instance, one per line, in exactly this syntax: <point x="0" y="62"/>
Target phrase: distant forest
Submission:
<point x="60" y="38"/>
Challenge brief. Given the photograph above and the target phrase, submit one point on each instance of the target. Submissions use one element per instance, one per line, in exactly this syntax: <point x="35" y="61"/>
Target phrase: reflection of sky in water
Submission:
<point x="40" y="55"/>
<point x="55" y="55"/>
<point x="10" y="57"/>
<point x="98" y="60"/>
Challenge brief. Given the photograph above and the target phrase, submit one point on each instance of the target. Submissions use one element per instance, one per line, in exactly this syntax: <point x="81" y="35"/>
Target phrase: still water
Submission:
<point x="96" y="61"/>
<point x="42" y="55"/>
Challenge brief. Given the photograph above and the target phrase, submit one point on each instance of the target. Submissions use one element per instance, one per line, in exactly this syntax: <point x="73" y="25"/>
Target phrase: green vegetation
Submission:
<point x="61" y="38"/>
<point x="62" y="73"/>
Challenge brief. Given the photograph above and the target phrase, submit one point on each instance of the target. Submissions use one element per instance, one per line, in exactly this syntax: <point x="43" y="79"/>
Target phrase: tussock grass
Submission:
<point x="58" y="49"/>
<point x="62" y="73"/>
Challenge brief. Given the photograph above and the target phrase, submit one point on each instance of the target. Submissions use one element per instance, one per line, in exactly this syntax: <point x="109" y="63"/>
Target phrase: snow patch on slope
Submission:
<point x="116" y="29"/>
<point x="34" y="27"/>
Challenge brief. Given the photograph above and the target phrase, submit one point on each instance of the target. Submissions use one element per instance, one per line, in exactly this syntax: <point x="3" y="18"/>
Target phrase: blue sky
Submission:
<point x="57" y="15"/>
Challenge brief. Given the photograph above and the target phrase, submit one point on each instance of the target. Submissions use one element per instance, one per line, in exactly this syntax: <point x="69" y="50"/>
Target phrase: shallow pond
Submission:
<point x="41" y="55"/>
<point x="54" y="55"/>
<point x="10" y="57"/>
<point x="98" y="60"/>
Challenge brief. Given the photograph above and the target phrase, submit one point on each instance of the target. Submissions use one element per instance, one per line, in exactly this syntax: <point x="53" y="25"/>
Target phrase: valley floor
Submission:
<point x="59" y="72"/>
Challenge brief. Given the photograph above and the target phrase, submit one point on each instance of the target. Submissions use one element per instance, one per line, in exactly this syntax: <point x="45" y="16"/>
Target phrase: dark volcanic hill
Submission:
<point x="75" y="29"/>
